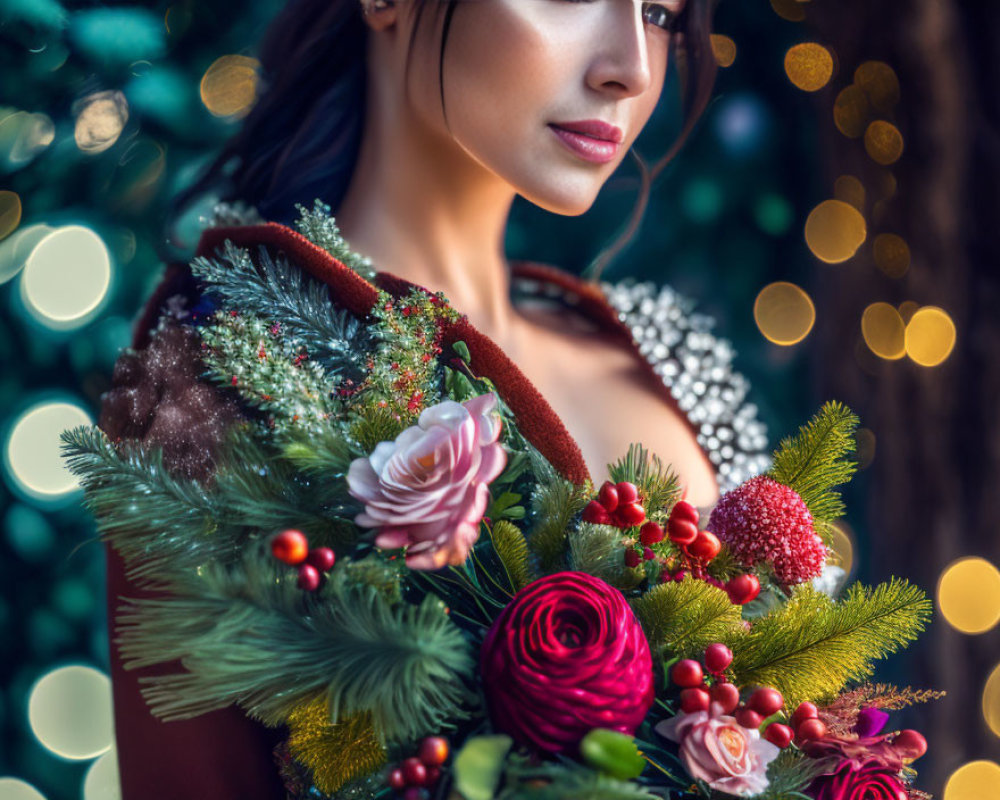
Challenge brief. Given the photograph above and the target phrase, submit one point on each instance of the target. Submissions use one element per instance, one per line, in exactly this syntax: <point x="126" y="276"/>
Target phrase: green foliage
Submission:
<point x="565" y="780"/>
<point x="613" y="753"/>
<point x="319" y="227"/>
<point x="554" y="504"/>
<point x="278" y="290"/>
<point x="512" y="548"/>
<point x="789" y="774"/>
<point x="373" y="424"/>
<point x="813" y="461"/>
<point x="813" y="646"/>
<point x="658" y="485"/>
<point x="249" y="635"/>
<point x="479" y="765"/>
<point x="682" y="619"/>
<point x="600" y="551"/>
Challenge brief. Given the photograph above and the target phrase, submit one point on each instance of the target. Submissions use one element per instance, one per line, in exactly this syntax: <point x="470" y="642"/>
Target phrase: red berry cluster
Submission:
<point x="617" y="504"/>
<point x="411" y="776"/>
<point x="806" y="724"/>
<point x="292" y="548"/>
<point x="695" y="696"/>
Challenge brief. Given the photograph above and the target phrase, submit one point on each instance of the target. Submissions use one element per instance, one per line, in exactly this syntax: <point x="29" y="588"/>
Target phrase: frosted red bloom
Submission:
<point x="763" y="521"/>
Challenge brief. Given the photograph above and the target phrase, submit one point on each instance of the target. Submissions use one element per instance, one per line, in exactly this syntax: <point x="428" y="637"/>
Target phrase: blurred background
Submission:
<point x="835" y="211"/>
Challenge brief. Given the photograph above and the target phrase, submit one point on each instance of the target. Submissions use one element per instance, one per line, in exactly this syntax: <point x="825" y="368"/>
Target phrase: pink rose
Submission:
<point x="566" y="655"/>
<point x="427" y="489"/>
<point x="716" y="749"/>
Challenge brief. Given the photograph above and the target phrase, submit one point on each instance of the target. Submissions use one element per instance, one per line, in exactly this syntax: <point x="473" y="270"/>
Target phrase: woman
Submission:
<point x="419" y="122"/>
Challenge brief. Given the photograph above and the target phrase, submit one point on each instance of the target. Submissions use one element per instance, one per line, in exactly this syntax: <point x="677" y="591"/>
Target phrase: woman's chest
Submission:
<point x="607" y="400"/>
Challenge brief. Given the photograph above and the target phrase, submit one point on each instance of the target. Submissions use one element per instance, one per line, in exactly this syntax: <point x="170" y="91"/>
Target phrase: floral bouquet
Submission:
<point x="384" y="567"/>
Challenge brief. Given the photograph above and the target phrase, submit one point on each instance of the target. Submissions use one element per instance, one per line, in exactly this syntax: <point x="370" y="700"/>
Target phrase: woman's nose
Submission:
<point x="621" y="57"/>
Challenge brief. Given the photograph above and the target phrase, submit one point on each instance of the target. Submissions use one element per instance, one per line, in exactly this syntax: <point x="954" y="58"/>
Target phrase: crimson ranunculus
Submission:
<point x="565" y="656"/>
<point x="857" y="779"/>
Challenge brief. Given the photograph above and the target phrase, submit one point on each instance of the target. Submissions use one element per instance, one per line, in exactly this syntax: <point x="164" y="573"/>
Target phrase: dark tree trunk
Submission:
<point x="934" y="485"/>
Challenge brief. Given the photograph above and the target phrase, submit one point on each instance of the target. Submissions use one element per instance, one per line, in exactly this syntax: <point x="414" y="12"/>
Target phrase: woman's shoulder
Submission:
<point x="676" y="342"/>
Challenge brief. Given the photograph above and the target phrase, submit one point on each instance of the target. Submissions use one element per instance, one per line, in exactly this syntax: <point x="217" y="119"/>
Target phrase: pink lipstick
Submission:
<point x="591" y="139"/>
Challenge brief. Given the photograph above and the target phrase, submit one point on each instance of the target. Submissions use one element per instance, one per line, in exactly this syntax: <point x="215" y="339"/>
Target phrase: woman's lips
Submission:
<point x="589" y="148"/>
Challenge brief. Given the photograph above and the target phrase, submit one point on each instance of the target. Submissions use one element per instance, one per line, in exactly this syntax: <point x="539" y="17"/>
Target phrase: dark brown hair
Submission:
<point x="301" y="139"/>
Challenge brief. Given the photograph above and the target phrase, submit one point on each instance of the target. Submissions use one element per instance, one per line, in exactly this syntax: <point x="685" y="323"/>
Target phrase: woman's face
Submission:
<point x="547" y="95"/>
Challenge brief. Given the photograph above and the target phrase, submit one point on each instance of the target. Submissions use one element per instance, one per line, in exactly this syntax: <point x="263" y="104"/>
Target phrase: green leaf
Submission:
<point x="462" y="349"/>
<point x="512" y="548"/>
<point x="682" y="619"/>
<point x="479" y="764"/>
<point x="813" y="462"/>
<point x="613" y="753"/>
<point x="812" y="647"/>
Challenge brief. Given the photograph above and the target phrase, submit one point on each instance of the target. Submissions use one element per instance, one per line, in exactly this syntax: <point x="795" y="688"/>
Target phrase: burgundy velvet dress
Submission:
<point x="224" y="755"/>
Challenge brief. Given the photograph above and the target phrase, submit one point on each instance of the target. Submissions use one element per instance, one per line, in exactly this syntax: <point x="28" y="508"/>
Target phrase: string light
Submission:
<point x="70" y="712"/>
<point x="32" y="455"/>
<point x="991" y="701"/>
<point x="968" y="594"/>
<point x="884" y="332"/>
<point x="809" y="66"/>
<point x="784" y="313"/>
<point x="100" y="120"/>
<point x="229" y="85"/>
<point x="10" y="212"/>
<point x="102" y="781"/>
<point x="977" y="780"/>
<point x="850" y="190"/>
<point x="891" y="254"/>
<point x="883" y="142"/>
<point x="834" y="231"/>
<point x="16" y="789"/>
<point x="724" y="49"/>
<point x="850" y="111"/>
<point x="879" y="83"/>
<point x="930" y="336"/>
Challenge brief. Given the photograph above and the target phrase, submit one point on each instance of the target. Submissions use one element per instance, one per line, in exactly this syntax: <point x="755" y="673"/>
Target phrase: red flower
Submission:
<point x="764" y="521"/>
<point x="853" y="779"/>
<point x="565" y="656"/>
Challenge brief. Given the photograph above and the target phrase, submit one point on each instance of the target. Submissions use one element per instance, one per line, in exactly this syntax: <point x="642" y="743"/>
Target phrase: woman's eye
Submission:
<point x="659" y="15"/>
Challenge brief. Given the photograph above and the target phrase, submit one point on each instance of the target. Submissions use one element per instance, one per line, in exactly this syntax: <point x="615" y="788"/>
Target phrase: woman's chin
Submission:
<point x="565" y="202"/>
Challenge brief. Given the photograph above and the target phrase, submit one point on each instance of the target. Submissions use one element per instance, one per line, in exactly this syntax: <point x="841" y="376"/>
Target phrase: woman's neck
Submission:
<point x="426" y="213"/>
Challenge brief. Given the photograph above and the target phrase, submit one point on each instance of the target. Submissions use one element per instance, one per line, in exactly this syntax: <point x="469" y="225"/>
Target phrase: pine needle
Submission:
<point x="554" y="504"/>
<point x="599" y="550"/>
<point x="683" y="618"/>
<point x="658" y="485"/>
<point x="813" y="461"/>
<point x="512" y="548"/>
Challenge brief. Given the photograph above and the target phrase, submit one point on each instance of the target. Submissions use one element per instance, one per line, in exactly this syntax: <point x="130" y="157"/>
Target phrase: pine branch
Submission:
<point x="568" y="780"/>
<point x="599" y="550"/>
<point x="813" y="462"/>
<point x="554" y="504"/>
<point x="812" y="647"/>
<point x="512" y="548"/>
<point x="841" y="714"/>
<point x="682" y="619"/>
<point x="658" y="484"/>
<point x="319" y="227"/>
<point x="250" y="636"/>
<point x="278" y="291"/>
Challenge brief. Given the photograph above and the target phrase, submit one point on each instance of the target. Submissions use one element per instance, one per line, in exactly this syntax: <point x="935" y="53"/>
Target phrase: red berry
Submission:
<point x="683" y="510"/>
<point x="718" y="657"/>
<point x="608" y="496"/>
<point x="706" y="546"/>
<point x="433" y="751"/>
<point x="766" y="701"/>
<point x="743" y="588"/>
<point x="682" y="531"/>
<point x="811" y="729"/>
<point x="596" y="513"/>
<point x="749" y="718"/>
<point x="779" y="735"/>
<point x="802" y="713"/>
<point x="630" y="514"/>
<point x="680" y="575"/>
<point x="727" y="696"/>
<point x="397" y="780"/>
<point x="627" y="492"/>
<point x="910" y="744"/>
<point x="632" y="558"/>
<point x="650" y="533"/>
<point x="323" y="558"/>
<point x="687" y="673"/>
<point x="648" y="555"/>
<point x="692" y="700"/>
<point x="433" y="774"/>
<point x="309" y="578"/>
<point x="290" y="546"/>
<point x="414" y="771"/>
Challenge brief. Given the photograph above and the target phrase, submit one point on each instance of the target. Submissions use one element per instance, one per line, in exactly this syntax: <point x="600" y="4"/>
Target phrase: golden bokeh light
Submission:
<point x="851" y="111"/>
<point x="809" y="66"/>
<point x="229" y="85"/>
<point x="100" y="120"/>
<point x="977" y="780"/>
<point x="70" y="712"/>
<point x="10" y="212"/>
<point x="724" y="49"/>
<point x="884" y="331"/>
<point x="784" y="313"/>
<point x="14" y="789"/>
<point x="102" y="781"/>
<point x="791" y="10"/>
<point x="851" y="191"/>
<point x="32" y="454"/>
<point x="892" y="254"/>
<point x="930" y="336"/>
<point x="968" y="594"/>
<point x="842" y="546"/>
<point x="865" y="440"/>
<point x="834" y="231"/>
<point x="991" y="701"/>
<point x="883" y="142"/>
<point x="67" y="276"/>
<point x="879" y="83"/>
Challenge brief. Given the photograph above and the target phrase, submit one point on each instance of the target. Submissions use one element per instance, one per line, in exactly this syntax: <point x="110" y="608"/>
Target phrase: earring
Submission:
<point x="371" y="6"/>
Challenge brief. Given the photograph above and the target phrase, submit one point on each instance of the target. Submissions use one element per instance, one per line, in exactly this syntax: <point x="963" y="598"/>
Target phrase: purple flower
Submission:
<point x="870" y="722"/>
<point x="427" y="490"/>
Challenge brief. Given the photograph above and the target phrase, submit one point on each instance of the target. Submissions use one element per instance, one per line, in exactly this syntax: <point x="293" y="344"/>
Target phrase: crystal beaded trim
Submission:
<point x="696" y="367"/>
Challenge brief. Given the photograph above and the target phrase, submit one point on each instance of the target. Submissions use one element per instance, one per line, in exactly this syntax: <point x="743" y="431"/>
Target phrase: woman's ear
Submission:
<point x="379" y="14"/>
